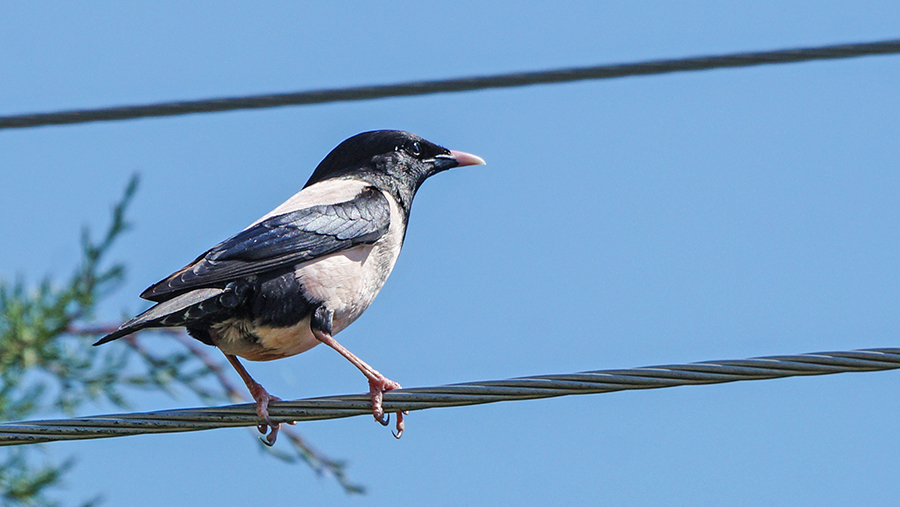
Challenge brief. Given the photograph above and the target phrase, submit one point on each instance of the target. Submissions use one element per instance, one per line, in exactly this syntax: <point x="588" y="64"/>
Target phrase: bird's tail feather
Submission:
<point x="175" y="312"/>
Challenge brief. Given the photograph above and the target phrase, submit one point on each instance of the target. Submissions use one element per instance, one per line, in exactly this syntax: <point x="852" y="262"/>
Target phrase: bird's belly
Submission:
<point x="263" y="343"/>
<point x="278" y="342"/>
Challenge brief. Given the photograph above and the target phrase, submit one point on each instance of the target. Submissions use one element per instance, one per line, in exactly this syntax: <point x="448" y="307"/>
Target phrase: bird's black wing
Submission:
<point x="281" y="241"/>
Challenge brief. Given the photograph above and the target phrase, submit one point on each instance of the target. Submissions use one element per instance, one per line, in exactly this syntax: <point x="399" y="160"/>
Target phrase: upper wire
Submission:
<point x="450" y="85"/>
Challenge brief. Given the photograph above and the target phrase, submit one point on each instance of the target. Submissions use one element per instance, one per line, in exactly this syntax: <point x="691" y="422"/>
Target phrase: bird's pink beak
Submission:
<point x="465" y="159"/>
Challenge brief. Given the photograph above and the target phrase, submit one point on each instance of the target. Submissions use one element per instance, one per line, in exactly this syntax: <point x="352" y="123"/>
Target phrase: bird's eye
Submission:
<point x="414" y="148"/>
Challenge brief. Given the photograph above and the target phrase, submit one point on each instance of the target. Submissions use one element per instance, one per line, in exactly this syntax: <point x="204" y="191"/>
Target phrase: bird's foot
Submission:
<point x="263" y="398"/>
<point x="377" y="387"/>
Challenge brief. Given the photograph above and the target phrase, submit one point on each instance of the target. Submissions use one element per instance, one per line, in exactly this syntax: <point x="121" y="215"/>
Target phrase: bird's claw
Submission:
<point x="400" y="425"/>
<point x="266" y="426"/>
<point x="271" y="428"/>
<point x="377" y="388"/>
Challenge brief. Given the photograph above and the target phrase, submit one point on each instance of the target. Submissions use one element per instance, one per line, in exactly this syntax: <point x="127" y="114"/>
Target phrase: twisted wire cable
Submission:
<point x="451" y="85"/>
<point x="471" y="393"/>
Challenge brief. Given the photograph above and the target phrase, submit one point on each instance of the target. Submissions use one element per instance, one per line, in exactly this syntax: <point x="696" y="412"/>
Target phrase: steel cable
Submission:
<point x="471" y="393"/>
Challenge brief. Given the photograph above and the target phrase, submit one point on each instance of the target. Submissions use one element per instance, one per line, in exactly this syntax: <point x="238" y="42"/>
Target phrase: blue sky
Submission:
<point x="639" y="221"/>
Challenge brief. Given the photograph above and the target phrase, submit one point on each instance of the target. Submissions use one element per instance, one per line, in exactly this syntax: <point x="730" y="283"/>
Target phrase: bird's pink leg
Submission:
<point x="262" y="398"/>
<point x="378" y="383"/>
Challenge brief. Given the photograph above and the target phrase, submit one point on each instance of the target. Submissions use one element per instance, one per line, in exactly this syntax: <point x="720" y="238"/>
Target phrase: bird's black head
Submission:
<point x="391" y="160"/>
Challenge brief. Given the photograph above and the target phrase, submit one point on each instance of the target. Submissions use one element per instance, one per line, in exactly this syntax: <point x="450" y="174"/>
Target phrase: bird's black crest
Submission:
<point x="361" y="150"/>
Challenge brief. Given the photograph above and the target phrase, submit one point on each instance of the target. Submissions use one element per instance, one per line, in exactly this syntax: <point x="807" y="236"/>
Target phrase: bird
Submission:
<point x="305" y="271"/>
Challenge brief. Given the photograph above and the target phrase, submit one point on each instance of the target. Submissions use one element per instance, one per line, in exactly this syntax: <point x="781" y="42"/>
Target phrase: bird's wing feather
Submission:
<point x="283" y="240"/>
